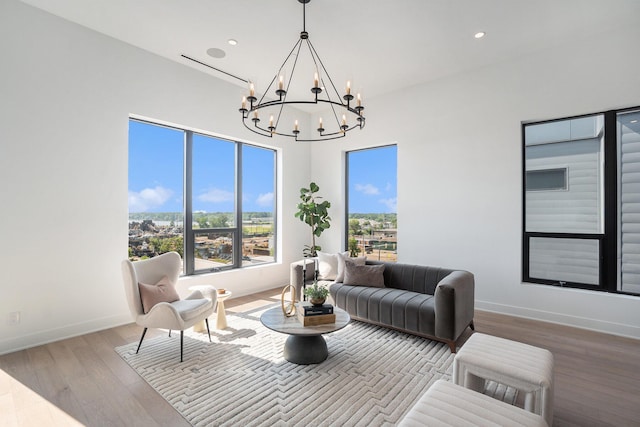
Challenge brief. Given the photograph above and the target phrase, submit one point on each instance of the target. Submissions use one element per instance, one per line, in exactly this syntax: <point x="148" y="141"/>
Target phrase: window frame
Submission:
<point x="346" y="187"/>
<point x="565" y="171"/>
<point x="608" y="239"/>
<point x="189" y="233"/>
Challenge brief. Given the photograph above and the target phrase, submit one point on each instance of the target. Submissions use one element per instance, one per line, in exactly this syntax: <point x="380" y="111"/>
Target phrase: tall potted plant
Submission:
<point x="314" y="213"/>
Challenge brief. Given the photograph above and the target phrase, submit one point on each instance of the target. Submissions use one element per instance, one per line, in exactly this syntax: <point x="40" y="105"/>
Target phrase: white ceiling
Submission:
<point x="382" y="45"/>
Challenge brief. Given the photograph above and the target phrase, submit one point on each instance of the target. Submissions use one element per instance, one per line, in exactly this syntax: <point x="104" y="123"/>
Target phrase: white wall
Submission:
<point x="65" y="97"/>
<point x="459" y="170"/>
<point x="66" y="94"/>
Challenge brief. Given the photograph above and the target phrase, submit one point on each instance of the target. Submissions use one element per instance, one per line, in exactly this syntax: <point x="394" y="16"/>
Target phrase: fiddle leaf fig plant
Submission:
<point x="315" y="214"/>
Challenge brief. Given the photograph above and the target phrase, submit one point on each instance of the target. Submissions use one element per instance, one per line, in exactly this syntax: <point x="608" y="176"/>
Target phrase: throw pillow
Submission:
<point x="163" y="291"/>
<point x="363" y="275"/>
<point x="328" y="265"/>
<point x="341" y="257"/>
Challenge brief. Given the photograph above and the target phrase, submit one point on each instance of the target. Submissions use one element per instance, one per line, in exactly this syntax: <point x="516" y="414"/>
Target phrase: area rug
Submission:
<point x="372" y="376"/>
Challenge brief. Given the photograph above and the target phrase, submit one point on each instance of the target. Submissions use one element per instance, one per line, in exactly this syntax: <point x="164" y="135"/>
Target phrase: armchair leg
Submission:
<point x="472" y="326"/>
<point x="141" y="338"/>
<point x="169" y="333"/>
<point x="181" y="343"/>
<point x="206" y="321"/>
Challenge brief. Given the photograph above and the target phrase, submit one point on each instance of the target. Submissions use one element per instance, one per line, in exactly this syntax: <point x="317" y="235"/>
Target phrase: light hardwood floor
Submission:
<point x="82" y="381"/>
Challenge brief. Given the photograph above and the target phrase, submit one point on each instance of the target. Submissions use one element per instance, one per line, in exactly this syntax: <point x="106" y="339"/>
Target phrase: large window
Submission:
<point x="212" y="200"/>
<point x="581" y="225"/>
<point x="372" y="224"/>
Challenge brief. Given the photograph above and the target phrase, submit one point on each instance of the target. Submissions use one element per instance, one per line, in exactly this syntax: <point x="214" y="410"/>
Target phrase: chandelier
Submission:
<point x="266" y="116"/>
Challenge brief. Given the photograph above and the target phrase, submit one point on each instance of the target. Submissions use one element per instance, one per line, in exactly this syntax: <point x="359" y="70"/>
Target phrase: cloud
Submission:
<point x="149" y="198"/>
<point x="265" y="199"/>
<point x="391" y="203"/>
<point x="215" y="195"/>
<point x="368" y="189"/>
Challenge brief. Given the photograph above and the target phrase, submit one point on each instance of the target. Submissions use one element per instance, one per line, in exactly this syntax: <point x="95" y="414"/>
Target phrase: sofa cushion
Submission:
<point x="415" y="278"/>
<point x="328" y="265"/>
<point x="406" y="310"/>
<point x="343" y="256"/>
<point x="363" y="275"/>
<point x="152" y="294"/>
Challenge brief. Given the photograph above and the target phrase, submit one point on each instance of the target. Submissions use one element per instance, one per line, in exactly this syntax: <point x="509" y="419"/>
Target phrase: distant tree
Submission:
<point x="354" y="227"/>
<point x="219" y="221"/>
<point x="353" y="248"/>
<point x="167" y="244"/>
<point x="202" y="222"/>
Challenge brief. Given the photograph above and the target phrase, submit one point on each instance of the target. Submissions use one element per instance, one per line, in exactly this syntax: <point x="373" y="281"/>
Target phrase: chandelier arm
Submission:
<point x="293" y="70"/>
<point x="263" y="133"/>
<point x="298" y="42"/>
<point x="315" y="55"/>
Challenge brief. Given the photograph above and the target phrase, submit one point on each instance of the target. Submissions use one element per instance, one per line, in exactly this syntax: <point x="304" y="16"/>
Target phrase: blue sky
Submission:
<point x="156" y="172"/>
<point x="373" y="180"/>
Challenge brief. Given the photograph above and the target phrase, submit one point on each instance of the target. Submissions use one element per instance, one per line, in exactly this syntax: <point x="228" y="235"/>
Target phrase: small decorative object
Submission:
<point x="222" y="291"/>
<point x="317" y="294"/>
<point x="288" y="307"/>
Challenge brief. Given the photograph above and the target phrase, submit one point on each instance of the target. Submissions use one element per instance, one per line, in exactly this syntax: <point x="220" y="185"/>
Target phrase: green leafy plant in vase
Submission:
<point x="315" y="214"/>
<point x="316" y="293"/>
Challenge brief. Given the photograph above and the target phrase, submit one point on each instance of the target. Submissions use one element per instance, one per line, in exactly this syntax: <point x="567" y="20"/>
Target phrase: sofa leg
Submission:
<point x="472" y="326"/>
<point x="452" y="346"/>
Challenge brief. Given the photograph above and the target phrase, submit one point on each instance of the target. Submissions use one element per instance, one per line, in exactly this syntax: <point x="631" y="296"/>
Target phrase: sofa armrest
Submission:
<point x="454" y="304"/>
<point x="295" y="274"/>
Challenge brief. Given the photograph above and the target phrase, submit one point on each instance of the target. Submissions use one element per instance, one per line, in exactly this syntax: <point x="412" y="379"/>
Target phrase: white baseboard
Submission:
<point x="613" y="328"/>
<point x="12" y="344"/>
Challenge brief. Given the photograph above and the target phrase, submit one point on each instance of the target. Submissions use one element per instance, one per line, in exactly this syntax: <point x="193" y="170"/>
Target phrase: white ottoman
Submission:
<point x="524" y="367"/>
<point x="448" y="404"/>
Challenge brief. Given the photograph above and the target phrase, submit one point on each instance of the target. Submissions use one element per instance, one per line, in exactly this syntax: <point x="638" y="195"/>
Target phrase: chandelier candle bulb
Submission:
<point x="252" y="90"/>
<point x="315" y="79"/>
<point x="244" y="102"/>
<point x="344" y="120"/>
<point x="359" y="101"/>
<point x="295" y="125"/>
<point x="281" y="83"/>
<point x="348" y="87"/>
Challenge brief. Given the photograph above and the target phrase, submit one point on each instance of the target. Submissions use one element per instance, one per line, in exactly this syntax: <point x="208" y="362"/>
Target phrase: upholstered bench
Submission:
<point x="524" y="367"/>
<point x="448" y="404"/>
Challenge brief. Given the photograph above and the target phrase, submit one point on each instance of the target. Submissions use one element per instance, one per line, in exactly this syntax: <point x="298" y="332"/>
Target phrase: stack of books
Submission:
<point x="312" y="315"/>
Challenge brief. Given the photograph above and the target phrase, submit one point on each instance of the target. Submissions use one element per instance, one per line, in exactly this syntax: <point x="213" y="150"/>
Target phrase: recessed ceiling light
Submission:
<point x="480" y="35"/>
<point x="232" y="42"/>
<point x="214" y="52"/>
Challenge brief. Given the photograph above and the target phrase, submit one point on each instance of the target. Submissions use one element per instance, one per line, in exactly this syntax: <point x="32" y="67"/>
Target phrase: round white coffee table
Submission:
<point x="221" y="317"/>
<point x="305" y="345"/>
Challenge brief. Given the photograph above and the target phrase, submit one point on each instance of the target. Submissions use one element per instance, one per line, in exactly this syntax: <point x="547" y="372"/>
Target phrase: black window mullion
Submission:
<point x="609" y="254"/>
<point x="237" y="239"/>
<point x="189" y="237"/>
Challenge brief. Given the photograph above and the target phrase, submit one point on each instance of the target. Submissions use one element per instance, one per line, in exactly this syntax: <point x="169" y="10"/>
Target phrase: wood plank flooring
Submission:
<point x="82" y="381"/>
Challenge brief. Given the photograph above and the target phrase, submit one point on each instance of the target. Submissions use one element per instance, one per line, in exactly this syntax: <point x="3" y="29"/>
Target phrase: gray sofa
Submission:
<point x="431" y="302"/>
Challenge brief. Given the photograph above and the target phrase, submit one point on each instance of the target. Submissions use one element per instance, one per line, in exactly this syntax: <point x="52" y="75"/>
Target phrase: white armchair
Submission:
<point x="178" y="315"/>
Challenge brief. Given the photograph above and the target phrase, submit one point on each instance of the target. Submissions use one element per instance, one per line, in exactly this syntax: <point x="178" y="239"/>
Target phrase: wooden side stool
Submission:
<point x="527" y="368"/>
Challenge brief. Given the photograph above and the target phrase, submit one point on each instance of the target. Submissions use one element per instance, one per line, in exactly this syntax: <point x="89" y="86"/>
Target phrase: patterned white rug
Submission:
<point x="372" y="376"/>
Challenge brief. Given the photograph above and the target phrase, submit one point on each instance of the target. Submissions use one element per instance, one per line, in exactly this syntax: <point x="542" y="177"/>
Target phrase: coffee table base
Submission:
<point x="305" y="349"/>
